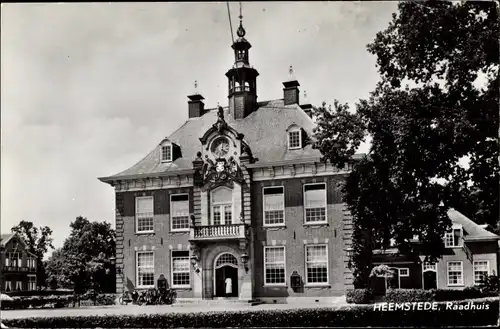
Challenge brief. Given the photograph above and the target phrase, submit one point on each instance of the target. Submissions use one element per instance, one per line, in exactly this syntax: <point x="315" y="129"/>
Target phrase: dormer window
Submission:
<point x="294" y="138"/>
<point x="166" y="153"/>
<point x="454" y="238"/>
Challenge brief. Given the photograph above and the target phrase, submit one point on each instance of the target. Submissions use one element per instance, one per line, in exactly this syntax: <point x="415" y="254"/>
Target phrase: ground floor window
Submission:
<point x="19" y="285"/>
<point x="274" y="265"/>
<point x="31" y="282"/>
<point x="180" y="269"/>
<point x="455" y="274"/>
<point x="8" y="285"/>
<point x="316" y="264"/>
<point x="481" y="270"/>
<point x="145" y="269"/>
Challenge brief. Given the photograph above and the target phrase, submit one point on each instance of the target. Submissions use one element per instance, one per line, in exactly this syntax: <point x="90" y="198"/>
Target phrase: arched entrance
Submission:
<point x="225" y="267"/>
<point x="429" y="276"/>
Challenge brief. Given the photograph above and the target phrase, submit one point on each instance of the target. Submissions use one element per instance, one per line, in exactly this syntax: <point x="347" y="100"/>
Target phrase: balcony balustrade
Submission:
<point x="218" y="232"/>
<point x="18" y="269"/>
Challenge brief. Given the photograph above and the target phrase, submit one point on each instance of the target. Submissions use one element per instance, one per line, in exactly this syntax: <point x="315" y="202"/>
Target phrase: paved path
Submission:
<point x="152" y="309"/>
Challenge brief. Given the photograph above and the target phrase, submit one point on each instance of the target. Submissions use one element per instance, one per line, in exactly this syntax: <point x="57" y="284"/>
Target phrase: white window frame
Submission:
<point x="162" y="151"/>
<point x="31" y="284"/>
<point x="474" y="269"/>
<point x="289" y="132"/>
<point x="447" y="236"/>
<point x="31" y="262"/>
<point x="137" y="279"/>
<point x="8" y="284"/>
<point x="281" y="284"/>
<point x="264" y="206"/>
<point x="20" y="285"/>
<point x="172" y="269"/>
<point x="461" y="283"/>
<point x="137" y="214"/>
<point x="172" y="215"/>
<point x="401" y="275"/>
<point x="313" y="284"/>
<point x="221" y="206"/>
<point x="14" y="258"/>
<point x="305" y="206"/>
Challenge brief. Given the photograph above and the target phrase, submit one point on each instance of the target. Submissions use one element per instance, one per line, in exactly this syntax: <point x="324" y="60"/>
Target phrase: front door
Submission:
<point x="226" y="281"/>
<point x="430" y="281"/>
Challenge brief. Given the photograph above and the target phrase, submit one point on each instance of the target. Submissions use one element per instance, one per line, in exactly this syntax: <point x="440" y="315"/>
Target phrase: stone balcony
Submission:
<point x="217" y="232"/>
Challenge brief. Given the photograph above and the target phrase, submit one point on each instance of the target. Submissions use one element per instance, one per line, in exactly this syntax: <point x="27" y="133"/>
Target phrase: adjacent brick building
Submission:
<point x="236" y="192"/>
<point x="17" y="264"/>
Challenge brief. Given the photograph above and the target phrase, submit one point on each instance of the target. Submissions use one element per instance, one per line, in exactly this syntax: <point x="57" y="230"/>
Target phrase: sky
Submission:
<point x="88" y="89"/>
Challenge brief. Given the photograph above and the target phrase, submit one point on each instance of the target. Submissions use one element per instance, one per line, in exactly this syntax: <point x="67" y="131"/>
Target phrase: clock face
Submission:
<point x="220" y="147"/>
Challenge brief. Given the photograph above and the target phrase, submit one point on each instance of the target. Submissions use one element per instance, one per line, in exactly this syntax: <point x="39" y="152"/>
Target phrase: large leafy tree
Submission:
<point x="80" y="263"/>
<point x="435" y="108"/>
<point x="38" y="240"/>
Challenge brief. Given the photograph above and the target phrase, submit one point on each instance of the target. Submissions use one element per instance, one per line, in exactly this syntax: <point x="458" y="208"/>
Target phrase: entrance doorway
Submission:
<point x="226" y="276"/>
<point x="429" y="273"/>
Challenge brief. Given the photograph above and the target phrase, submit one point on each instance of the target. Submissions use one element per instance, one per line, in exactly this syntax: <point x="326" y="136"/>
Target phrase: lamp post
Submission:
<point x="244" y="260"/>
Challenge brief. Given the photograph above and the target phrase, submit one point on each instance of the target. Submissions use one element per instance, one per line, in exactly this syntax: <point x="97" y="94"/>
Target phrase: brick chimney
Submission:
<point x="195" y="104"/>
<point x="291" y="90"/>
<point x="306" y="107"/>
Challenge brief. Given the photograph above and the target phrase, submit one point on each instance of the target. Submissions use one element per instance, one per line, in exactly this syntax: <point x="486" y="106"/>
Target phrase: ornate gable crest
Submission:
<point x="220" y="171"/>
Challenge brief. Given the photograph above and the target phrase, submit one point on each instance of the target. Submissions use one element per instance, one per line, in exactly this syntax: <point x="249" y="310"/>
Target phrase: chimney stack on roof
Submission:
<point x="291" y="90"/>
<point x="306" y="107"/>
<point x="196" y="106"/>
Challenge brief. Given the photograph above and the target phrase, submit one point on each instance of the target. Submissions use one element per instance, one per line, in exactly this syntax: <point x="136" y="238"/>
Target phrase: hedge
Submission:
<point x="26" y="293"/>
<point x="58" y="301"/>
<point x="360" y="316"/>
<point x="366" y="296"/>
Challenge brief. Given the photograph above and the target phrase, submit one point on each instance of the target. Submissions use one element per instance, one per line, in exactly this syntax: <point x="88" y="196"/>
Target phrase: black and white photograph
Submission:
<point x="250" y="164"/>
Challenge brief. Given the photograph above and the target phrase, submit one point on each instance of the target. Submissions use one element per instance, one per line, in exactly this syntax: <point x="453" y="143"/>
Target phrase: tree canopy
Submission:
<point x="435" y="108"/>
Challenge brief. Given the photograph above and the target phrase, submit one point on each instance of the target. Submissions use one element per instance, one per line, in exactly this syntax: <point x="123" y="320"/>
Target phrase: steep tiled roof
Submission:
<point x="472" y="230"/>
<point x="264" y="131"/>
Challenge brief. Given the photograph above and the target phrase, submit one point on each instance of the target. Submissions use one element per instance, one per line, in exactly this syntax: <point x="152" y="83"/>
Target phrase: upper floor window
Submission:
<point x="13" y="259"/>
<point x="179" y="212"/>
<point x="31" y="262"/>
<point x="166" y="153"/>
<point x="453" y="238"/>
<point x="274" y="206"/>
<point x="315" y="203"/>
<point x="144" y="214"/>
<point x="222" y="204"/>
<point x="294" y="138"/>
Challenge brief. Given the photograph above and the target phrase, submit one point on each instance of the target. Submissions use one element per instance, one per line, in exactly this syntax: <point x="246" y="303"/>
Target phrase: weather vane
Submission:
<point x="290" y="70"/>
<point x="241" y="15"/>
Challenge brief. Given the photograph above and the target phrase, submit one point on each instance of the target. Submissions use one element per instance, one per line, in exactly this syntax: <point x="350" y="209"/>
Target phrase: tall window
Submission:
<point x="453" y="238"/>
<point x="222" y="213"/>
<point x="32" y="282"/>
<point x="180" y="268"/>
<point x="8" y="285"/>
<point x="179" y="212"/>
<point x="481" y="270"/>
<point x="274" y="265"/>
<point x="13" y="259"/>
<point x="317" y="264"/>
<point x="145" y="269"/>
<point x="19" y="285"/>
<point x="31" y="262"/>
<point x="274" y="206"/>
<point x="294" y="138"/>
<point x="455" y="274"/>
<point x="315" y="203"/>
<point x="144" y="214"/>
<point x="166" y="153"/>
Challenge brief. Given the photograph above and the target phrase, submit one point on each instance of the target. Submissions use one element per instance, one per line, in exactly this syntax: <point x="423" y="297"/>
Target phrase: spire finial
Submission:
<point x="196" y="86"/>
<point x="241" y="31"/>
<point x="305" y="95"/>
<point x="241" y="15"/>
<point x="290" y="71"/>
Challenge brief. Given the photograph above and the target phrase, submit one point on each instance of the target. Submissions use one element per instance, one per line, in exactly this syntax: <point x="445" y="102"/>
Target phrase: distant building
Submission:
<point x="236" y="192"/>
<point x="471" y="253"/>
<point x="17" y="264"/>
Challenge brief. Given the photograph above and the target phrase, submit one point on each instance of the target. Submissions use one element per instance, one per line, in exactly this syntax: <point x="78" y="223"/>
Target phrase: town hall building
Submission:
<point x="236" y="194"/>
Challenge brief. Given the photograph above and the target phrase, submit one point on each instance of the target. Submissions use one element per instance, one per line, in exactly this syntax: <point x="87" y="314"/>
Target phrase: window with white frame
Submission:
<point x="274" y="206"/>
<point x="316" y="264"/>
<point x="145" y="269"/>
<point x="453" y="238"/>
<point x="222" y="204"/>
<point x="8" y="285"/>
<point x="166" y="153"/>
<point x="179" y="212"/>
<point x="19" y="285"/>
<point x="481" y="270"/>
<point x="315" y="203"/>
<point x="294" y="138"/>
<point x="404" y="272"/>
<point x="31" y="282"/>
<point x="144" y="214"/>
<point x="180" y="269"/>
<point x="13" y="259"/>
<point x="455" y="273"/>
<point x="274" y="265"/>
<point x="31" y="262"/>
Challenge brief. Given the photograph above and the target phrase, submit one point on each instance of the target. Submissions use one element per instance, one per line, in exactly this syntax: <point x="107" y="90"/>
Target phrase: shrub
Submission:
<point x="408" y="295"/>
<point x="37" y="301"/>
<point x="360" y="316"/>
<point x="360" y="296"/>
<point x="452" y="294"/>
<point x="489" y="285"/>
<point x="50" y="292"/>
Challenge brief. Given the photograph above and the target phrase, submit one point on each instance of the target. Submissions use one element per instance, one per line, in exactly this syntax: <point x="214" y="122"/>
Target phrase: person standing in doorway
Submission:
<point x="229" y="286"/>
